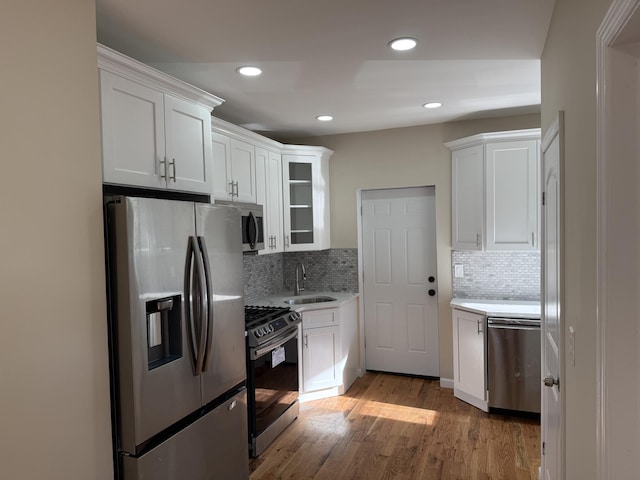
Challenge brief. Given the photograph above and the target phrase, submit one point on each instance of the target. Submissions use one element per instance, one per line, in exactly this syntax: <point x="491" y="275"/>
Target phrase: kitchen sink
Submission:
<point x="306" y="300"/>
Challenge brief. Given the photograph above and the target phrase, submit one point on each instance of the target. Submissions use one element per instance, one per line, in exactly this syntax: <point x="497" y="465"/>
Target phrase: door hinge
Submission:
<point x="543" y="199"/>
<point x="543" y="447"/>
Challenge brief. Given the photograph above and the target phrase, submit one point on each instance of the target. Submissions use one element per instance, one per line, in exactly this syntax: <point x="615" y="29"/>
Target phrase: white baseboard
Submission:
<point x="446" y="382"/>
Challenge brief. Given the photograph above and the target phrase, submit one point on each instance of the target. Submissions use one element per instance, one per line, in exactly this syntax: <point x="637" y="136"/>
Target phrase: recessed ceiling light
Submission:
<point x="402" y="44"/>
<point x="249" y="71"/>
<point x="324" y="118"/>
<point x="432" y="105"/>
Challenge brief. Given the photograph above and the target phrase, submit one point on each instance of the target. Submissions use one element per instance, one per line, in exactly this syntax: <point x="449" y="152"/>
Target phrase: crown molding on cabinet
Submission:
<point x="127" y="67"/>
<point x="239" y="133"/>
<point x="301" y="149"/>
<point x="481" y="138"/>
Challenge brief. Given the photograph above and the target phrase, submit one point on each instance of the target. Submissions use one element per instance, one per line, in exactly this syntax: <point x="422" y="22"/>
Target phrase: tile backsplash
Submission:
<point x="333" y="270"/>
<point x="262" y="276"/>
<point x="497" y="275"/>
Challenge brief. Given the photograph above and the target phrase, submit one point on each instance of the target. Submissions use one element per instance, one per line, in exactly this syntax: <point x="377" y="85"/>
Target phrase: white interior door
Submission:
<point x="552" y="325"/>
<point x="400" y="285"/>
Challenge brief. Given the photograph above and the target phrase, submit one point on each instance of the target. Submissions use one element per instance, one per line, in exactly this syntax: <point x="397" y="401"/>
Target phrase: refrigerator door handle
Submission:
<point x="207" y="312"/>
<point x="189" y="310"/>
<point x="194" y="284"/>
<point x="202" y="306"/>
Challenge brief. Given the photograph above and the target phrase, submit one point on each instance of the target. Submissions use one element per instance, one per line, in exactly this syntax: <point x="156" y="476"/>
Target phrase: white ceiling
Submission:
<point x="479" y="58"/>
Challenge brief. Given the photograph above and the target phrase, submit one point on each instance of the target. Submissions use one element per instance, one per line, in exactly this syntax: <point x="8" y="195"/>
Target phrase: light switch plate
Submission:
<point x="458" y="270"/>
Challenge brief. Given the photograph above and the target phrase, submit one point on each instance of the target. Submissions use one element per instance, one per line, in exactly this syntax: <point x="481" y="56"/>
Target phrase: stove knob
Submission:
<point x="257" y="333"/>
<point x="270" y="329"/>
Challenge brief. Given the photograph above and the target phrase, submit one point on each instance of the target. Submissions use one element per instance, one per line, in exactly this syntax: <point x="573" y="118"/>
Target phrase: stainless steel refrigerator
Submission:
<point x="177" y="340"/>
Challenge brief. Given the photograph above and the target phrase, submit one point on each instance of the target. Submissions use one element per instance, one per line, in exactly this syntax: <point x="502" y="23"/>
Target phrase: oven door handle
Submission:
<point x="279" y="341"/>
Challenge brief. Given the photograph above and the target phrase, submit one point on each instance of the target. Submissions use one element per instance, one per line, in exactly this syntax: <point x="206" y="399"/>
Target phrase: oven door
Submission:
<point x="272" y="380"/>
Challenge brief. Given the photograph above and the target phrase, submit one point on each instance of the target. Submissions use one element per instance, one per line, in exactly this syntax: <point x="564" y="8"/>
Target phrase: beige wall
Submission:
<point x="403" y="157"/>
<point x="568" y="83"/>
<point x="54" y="396"/>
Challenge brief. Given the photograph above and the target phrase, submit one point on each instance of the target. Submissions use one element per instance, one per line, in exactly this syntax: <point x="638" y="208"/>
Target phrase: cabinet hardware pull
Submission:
<point x="173" y="165"/>
<point x="479" y="327"/>
<point x="164" y="168"/>
<point x="306" y="340"/>
<point x="533" y="244"/>
<point x="477" y="239"/>
<point x="231" y="188"/>
<point x="236" y="189"/>
<point x="286" y="241"/>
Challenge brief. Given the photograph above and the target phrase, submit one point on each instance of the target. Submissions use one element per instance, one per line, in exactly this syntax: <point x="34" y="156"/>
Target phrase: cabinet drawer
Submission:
<point x="320" y="318"/>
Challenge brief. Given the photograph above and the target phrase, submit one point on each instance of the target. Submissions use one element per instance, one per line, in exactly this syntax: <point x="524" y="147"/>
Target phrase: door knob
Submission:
<point x="550" y="381"/>
<point x="432" y="292"/>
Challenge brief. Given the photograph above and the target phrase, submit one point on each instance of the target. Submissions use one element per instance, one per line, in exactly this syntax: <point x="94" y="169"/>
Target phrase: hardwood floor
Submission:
<point x="396" y="427"/>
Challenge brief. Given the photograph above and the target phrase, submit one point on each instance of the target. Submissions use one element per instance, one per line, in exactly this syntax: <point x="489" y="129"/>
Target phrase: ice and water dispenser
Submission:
<point x="164" y="335"/>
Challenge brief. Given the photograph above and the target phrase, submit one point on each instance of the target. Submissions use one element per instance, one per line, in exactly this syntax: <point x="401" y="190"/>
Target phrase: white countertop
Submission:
<point x="279" y="300"/>
<point x="498" y="308"/>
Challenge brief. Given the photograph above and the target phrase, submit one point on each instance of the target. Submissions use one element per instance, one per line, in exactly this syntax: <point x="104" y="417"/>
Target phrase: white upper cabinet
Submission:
<point x="305" y="172"/>
<point x="495" y="185"/>
<point x="467" y="203"/>
<point x="512" y="195"/>
<point x="156" y="130"/>
<point x="234" y="166"/>
<point x="188" y="146"/>
<point x="291" y="182"/>
<point x="269" y="191"/>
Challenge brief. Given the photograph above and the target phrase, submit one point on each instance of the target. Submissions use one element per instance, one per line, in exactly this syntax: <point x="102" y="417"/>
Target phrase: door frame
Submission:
<point x="448" y="383"/>
<point x="616" y="314"/>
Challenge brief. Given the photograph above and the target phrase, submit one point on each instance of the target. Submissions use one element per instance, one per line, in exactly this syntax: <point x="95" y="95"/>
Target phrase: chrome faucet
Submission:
<point x="298" y="289"/>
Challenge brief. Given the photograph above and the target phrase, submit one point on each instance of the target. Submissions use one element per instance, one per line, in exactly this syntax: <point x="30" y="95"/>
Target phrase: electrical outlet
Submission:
<point x="458" y="270"/>
<point x="572" y="346"/>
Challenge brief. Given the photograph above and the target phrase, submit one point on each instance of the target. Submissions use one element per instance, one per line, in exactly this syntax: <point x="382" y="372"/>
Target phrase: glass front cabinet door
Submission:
<point x="306" y="198"/>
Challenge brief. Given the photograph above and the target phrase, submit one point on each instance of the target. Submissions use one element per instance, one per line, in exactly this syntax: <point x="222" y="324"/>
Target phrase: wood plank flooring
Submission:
<point x="396" y="427"/>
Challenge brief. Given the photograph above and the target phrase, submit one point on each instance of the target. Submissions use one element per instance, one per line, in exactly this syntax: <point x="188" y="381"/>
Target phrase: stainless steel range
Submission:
<point x="272" y="373"/>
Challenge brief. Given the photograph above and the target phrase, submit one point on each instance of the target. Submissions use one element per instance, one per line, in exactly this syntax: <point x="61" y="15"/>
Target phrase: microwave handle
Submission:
<point x="252" y="230"/>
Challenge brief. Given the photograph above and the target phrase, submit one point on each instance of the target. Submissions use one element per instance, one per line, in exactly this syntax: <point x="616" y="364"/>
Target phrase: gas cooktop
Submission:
<point x="264" y="323"/>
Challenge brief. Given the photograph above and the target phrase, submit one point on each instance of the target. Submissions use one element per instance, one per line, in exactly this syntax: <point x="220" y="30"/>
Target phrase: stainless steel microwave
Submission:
<point x="252" y="225"/>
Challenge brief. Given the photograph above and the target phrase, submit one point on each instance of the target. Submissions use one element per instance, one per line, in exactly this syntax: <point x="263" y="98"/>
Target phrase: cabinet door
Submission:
<point x="262" y="188"/>
<point x="221" y="147"/>
<point x="132" y="132"/>
<point x="243" y="171"/>
<point x="320" y="358"/>
<point x="306" y="202"/>
<point x="274" y="200"/>
<point x="188" y="146"/>
<point x="469" y="358"/>
<point x="467" y="202"/>
<point x="269" y="195"/>
<point x="512" y="195"/>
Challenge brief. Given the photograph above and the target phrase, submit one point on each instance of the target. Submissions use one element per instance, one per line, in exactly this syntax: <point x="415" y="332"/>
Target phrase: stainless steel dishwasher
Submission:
<point x="513" y="367"/>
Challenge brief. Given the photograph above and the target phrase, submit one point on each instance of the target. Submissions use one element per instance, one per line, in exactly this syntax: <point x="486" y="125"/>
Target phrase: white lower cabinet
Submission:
<point x="321" y="358"/>
<point x="329" y="350"/>
<point x="469" y="358"/>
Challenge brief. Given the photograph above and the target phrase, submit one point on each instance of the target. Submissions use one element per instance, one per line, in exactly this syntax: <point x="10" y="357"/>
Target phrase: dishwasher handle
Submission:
<point x="515" y="323"/>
